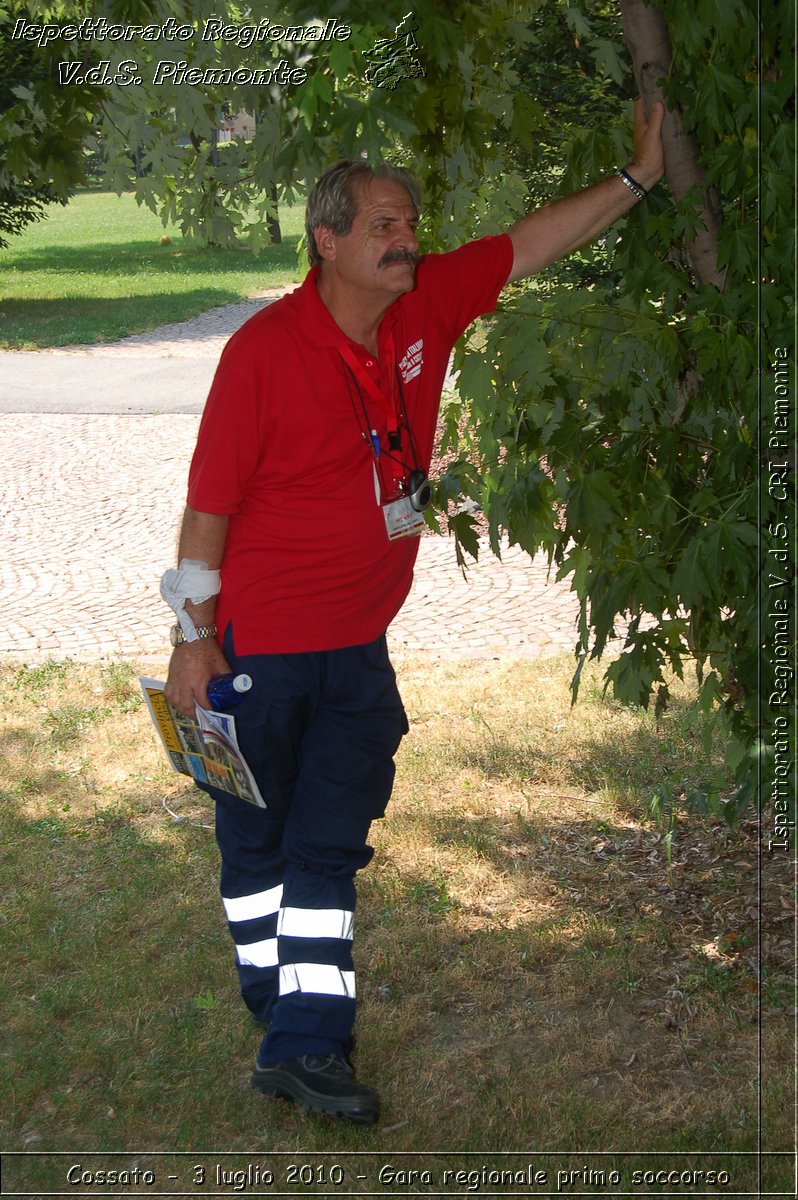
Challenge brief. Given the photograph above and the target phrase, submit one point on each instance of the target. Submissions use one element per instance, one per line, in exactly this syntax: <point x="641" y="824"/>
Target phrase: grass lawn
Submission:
<point x="536" y="983"/>
<point x="95" y="270"/>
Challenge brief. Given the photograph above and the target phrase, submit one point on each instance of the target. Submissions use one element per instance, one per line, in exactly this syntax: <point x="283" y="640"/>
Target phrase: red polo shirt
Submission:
<point x="284" y="450"/>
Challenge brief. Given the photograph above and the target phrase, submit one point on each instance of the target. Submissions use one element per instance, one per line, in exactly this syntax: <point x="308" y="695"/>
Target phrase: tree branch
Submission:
<point x="647" y="39"/>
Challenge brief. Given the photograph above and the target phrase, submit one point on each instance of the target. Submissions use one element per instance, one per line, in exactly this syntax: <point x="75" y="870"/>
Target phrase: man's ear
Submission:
<point x="325" y="242"/>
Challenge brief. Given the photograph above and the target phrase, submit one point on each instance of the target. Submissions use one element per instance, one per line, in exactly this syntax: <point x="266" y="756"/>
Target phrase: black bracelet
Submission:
<point x="632" y="184"/>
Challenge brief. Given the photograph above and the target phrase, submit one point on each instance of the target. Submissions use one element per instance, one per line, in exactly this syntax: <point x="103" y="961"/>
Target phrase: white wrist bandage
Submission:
<point x="190" y="581"/>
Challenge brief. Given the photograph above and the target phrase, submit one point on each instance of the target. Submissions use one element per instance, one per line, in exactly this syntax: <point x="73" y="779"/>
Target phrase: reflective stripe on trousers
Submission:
<point x="245" y="914"/>
<point x="295" y="961"/>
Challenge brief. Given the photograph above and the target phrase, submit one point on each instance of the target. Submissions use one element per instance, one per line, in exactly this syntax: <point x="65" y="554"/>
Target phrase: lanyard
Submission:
<point x="361" y="377"/>
<point x="374" y="391"/>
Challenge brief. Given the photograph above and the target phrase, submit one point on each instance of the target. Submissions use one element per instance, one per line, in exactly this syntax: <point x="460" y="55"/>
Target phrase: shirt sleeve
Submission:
<point x="465" y="283"/>
<point x="229" y="441"/>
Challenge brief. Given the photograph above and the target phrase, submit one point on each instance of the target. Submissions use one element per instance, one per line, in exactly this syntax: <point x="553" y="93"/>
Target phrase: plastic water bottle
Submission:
<point x="228" y="690"/>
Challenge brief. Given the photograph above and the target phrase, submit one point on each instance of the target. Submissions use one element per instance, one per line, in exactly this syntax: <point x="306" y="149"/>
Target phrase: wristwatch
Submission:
<point x="177" y="637"/>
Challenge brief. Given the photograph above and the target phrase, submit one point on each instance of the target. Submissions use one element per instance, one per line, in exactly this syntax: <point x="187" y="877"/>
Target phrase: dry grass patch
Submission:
<point x="533" y="974"/>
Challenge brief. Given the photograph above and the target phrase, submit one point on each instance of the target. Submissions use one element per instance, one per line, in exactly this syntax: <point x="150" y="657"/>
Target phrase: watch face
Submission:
<point x="174" y="635"/>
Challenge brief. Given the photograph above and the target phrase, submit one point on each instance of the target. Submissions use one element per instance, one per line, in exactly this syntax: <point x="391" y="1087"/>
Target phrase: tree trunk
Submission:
<point x="273" y="221"/>
<point x="646" y="36"/>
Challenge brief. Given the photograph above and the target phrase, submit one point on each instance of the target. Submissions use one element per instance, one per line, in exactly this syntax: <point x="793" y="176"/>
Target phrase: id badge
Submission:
<point x="401" y="519"/>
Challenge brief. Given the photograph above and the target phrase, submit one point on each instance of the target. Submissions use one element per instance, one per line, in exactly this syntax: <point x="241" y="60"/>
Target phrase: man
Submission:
<point x="305" y="493"/>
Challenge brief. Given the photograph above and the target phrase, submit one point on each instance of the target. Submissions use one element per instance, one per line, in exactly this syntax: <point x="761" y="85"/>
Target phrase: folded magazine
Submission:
<point x="204" y="747"/>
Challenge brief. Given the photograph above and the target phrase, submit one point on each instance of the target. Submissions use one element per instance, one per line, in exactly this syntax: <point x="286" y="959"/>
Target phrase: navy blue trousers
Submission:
<point x="319" y="731"/>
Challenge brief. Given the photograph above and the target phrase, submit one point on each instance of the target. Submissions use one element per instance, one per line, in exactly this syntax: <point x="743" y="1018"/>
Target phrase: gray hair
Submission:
<point x="335" y="197"/>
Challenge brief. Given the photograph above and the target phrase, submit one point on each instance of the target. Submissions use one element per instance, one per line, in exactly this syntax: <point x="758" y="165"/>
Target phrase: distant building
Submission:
<point x="242" y="125"/>
<point x="230" y="129"/>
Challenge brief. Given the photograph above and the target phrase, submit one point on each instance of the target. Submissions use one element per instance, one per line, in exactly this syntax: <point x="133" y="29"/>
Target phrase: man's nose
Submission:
<point x="407" y="239"/>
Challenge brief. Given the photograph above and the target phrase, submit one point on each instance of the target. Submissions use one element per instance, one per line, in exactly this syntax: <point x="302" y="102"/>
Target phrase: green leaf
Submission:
<point x="608" y="59"/>
<point x="592" y="503"/>
<point x="464" y="528"/>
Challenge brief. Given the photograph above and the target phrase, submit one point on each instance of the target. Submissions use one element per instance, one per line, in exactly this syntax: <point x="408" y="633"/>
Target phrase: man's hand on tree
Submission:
<point x="648" y="159"/>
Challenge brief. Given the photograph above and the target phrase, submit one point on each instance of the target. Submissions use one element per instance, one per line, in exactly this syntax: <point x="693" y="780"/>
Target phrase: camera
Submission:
<point x="419" y="491"/>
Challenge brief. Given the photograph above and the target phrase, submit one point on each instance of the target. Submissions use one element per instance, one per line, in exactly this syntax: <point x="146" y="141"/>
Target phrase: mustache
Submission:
<point x="399" y="256"/>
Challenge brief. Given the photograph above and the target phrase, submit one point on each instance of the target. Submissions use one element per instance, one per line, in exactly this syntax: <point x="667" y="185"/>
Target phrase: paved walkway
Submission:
<point x="91" y="497"/>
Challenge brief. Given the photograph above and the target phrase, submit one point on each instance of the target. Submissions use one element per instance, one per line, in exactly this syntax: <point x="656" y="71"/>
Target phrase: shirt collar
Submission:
<point x="320" y="327"/>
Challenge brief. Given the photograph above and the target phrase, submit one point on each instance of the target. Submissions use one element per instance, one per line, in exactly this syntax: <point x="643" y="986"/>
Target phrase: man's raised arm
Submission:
<point x="202" y="539"/>
<point x="563" y="226"/>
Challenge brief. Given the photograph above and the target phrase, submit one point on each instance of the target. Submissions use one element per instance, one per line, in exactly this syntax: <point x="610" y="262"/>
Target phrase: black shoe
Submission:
<point x="320" y="1083"/>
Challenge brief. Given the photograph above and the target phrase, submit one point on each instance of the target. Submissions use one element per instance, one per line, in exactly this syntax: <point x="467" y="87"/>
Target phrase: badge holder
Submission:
<point x="401" y="519"/>
<point x="404" y="516"/>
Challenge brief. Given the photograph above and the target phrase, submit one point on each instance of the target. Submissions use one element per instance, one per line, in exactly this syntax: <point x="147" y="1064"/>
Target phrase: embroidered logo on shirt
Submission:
<point x="411" y="364"/>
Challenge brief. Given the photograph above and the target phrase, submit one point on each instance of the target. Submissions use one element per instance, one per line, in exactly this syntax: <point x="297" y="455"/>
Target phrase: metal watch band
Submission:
<point x="177" y="637"/>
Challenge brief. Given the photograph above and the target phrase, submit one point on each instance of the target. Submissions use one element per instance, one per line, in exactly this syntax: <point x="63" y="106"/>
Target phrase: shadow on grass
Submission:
<point x="535" y="1017"/>
<point x="122" y="1026"/>
<point x="564" y="957"/>
<point x="635" y="765"/>
<point x="146" y="273"/>
<point x="33" y="323"/>
<point x="120" y="977"/>
<point x="183" y="258"/>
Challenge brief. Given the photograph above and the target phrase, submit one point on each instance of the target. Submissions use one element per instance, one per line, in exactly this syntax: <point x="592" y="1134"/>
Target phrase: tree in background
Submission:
<point x="158" y="137"/>
<point x="41" y="136"/>
<point x="608" y="414"/>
